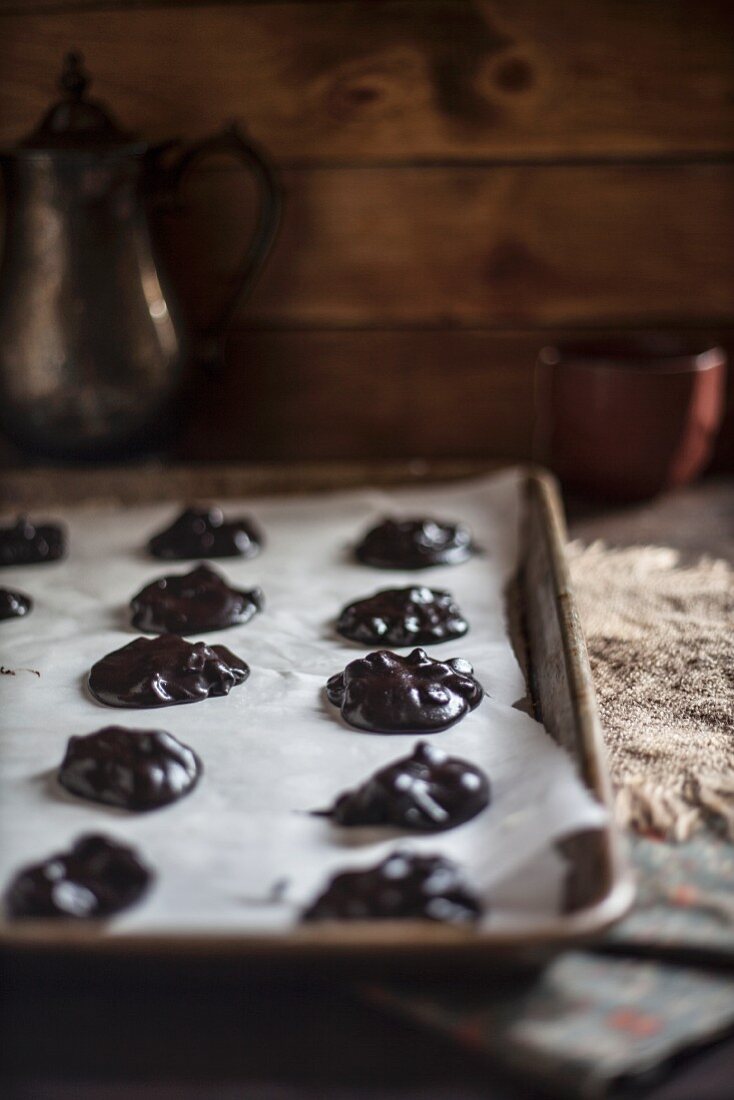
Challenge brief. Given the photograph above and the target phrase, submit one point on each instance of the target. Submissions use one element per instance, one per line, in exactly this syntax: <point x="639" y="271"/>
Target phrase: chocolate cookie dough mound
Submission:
<point x="386" y="693"/>
<point x="14" y="605"/>
<point x="203" y="533"/>
<point x="25" y="543"/>
<point x="195" y="602"/>
<point x="134" y="769"/>
<point x="403" y="887"/>
<point x="403" y="616"/>
<point x="428" y="791"/>
<point x="164" y="671"/>
<point x="415" y="544"/>
<point x="96" y="878"/>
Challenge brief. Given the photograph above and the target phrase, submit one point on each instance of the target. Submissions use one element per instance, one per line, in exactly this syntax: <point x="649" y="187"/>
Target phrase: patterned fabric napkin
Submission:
<point x="685" y="900"/>
<point x="659" y="639"/>
<point x="586" y="1025"/>
<point x="589" y="1022"/>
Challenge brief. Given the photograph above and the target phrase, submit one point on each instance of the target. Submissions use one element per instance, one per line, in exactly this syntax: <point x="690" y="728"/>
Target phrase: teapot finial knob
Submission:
<point x="73" y="81"/>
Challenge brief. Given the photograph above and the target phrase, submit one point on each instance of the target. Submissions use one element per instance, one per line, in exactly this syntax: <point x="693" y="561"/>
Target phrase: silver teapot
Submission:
<point x="94" y="352"/>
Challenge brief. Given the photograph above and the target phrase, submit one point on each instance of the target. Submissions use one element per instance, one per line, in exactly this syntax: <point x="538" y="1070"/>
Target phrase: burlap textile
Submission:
<point x="661" y="648"/>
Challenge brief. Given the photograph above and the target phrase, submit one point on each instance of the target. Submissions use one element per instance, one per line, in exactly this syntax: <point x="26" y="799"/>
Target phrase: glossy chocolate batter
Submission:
<point x="386" y="693"/>
<point x="403" y="616"/>
<point x="96" y="878"/>
<point x="415" y="544"/>
<point x="428" y="791"/>
<point x="25" y="543"/>
<point x="203" y="533"/>
<point x="404" y="886"/>
<point x="163" y="671"/>
<point x="193" y="603"/>
<point x="14" y="605"/>
<point x="134" y="769"/>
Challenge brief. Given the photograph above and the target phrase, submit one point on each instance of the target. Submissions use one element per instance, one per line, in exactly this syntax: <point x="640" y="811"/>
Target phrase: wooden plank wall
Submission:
<point x="465" y="182"/>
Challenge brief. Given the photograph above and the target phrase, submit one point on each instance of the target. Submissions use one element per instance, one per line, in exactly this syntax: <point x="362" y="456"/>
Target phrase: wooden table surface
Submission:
<point x="146" y="1035"/>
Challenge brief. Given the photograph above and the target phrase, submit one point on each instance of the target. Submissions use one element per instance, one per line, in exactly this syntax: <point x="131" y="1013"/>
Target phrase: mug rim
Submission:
<point x="645" y="362"/>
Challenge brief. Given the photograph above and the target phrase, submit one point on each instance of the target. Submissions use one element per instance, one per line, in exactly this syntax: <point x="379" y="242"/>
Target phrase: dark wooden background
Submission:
<point x="466" y="181"/>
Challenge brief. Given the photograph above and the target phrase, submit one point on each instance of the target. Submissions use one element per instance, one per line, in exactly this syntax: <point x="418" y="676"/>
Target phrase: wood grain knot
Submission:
<point x="362" y="93"/>
<point x="513" y="74"/>
<point x="511" y="260"/>
<point x="374" y="91"/>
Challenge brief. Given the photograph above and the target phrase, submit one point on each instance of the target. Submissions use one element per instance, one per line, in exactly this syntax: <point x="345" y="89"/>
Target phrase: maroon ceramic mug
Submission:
<point x="630" y="417"/>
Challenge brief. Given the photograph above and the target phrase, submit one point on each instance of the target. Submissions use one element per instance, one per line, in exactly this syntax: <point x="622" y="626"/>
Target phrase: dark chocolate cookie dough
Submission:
<point x="95" y="878"/>
<point x="26" y="543"/>
<point x="387" y="693"/>
<point x="14" y="605"/>
<point x="164" y="671"/>
<point x="428" y="791"/>
<point x="403" y="887"/>
<point x="193" y="603"/>
<point x="403" y="616"/>
<point x="204" y="533"/>
<point x="134" y="769"/>
<point x="415" y="544"/>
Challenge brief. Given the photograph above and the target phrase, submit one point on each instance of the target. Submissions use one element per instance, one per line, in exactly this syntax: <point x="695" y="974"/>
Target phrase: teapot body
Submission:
<point x="92" y="347"/>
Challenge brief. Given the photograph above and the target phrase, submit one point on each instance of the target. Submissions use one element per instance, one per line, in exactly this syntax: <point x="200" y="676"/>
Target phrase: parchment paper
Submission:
<point x="274" y="748"/>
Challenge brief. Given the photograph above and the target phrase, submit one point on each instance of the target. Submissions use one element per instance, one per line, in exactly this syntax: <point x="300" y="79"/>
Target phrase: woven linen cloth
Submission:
<point x="661" y="647"/>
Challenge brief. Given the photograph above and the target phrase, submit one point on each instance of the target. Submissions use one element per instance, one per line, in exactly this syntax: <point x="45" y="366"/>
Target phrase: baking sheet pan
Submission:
<point x="274" y="748"/>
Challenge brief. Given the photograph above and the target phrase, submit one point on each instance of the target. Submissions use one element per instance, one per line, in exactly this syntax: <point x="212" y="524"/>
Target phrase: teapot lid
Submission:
<point x="76" y="122"/>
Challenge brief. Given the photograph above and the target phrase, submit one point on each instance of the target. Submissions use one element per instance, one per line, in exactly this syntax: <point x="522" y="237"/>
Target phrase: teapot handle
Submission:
<point x="232" y="140"/>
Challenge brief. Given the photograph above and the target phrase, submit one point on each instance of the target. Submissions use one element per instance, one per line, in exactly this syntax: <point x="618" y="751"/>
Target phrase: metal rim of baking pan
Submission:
<point x="384" y="941"/>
